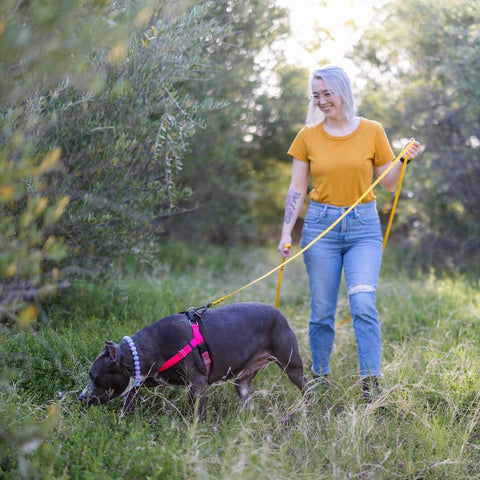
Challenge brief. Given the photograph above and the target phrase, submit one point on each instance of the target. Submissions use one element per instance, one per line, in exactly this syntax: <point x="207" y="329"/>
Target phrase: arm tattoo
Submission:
<point x="292" y="198"/>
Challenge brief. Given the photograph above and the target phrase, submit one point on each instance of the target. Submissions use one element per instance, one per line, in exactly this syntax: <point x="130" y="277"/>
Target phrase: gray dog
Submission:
<point x="197" y="349"/>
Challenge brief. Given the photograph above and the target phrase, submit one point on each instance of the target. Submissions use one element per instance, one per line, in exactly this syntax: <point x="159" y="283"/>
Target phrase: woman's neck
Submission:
<point x="340" y="127"/>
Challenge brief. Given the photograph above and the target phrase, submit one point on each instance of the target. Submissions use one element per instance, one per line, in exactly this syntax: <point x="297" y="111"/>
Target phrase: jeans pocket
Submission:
<point x="368" y="217"/>
<point x="315" y="227"/>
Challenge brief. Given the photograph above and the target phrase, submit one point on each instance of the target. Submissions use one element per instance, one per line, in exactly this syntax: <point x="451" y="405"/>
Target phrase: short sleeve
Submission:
<point x="383" y="150"/>
<point x="298" y="148"/>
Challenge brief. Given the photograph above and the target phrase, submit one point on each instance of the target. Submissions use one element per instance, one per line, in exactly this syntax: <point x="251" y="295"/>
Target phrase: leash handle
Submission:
<point x="280" y="275"/>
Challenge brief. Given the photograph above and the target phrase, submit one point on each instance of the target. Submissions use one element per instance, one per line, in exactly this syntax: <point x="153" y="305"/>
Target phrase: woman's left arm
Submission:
<point x="390" y="181"/>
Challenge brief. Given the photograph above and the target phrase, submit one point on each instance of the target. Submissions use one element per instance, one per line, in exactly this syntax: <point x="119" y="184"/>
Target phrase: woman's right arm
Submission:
<point x="295" y="198"/>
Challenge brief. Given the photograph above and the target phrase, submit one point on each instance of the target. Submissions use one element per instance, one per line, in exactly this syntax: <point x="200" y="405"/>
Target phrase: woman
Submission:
<point x="341" y="151"/>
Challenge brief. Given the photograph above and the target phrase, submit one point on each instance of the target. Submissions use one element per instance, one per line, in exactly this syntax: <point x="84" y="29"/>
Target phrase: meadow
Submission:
<point x="424" y="426"/>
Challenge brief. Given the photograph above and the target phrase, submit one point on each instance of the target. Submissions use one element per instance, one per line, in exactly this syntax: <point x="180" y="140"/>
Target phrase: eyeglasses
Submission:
<point x="326" y="95"/>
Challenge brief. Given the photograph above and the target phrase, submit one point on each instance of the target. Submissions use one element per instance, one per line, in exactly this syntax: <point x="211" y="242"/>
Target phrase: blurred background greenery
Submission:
<point x="127" y="124"/>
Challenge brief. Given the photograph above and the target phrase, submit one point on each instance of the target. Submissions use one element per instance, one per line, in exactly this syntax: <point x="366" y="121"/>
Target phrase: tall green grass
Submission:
<point x="425" y="425"/>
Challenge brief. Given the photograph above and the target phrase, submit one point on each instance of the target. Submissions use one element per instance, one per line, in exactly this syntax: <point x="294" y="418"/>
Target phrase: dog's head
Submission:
<point x="108" y="377"/>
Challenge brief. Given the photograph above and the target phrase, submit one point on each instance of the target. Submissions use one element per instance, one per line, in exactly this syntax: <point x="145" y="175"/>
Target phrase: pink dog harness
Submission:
<point x="196" y="342"/>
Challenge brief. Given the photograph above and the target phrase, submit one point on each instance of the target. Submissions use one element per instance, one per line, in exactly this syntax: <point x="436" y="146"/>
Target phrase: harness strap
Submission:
<point x="197" y="341"/>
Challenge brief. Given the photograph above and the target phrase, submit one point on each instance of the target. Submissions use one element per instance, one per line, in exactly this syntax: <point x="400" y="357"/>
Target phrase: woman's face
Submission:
<point x="329" y="102"/>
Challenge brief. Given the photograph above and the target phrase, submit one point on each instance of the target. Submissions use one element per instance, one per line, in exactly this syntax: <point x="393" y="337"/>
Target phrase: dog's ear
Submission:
<point x="111" y="351"/>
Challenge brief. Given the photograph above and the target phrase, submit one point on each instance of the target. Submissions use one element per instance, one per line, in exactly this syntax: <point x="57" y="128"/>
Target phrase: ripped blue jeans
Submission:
<point x="354" y="245"/>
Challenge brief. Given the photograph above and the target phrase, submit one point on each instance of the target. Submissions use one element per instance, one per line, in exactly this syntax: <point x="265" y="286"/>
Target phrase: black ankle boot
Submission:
<point x="319" y="384"/>
<point x="321" y="380"/>
<point x="370" y="389"/>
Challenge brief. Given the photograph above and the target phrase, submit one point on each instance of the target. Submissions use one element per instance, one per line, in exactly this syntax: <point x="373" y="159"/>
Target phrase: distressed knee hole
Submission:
<point x="361" y="288"/>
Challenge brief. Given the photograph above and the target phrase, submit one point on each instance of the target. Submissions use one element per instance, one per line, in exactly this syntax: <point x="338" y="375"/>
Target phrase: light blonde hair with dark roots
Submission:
<point x="337" y="80"/>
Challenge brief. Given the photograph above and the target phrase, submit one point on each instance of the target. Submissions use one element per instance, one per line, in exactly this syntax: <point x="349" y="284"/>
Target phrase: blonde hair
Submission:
<point x="336" y="80"/>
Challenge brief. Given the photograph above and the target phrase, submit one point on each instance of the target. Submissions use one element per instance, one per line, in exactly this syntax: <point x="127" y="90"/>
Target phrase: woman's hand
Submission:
<point x="414" y="150"/>
<point x="285" y="245"/>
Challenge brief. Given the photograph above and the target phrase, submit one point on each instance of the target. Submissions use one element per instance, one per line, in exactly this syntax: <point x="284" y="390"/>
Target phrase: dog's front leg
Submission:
<point x="129" y="400"/>
<point x="197" y="393"/>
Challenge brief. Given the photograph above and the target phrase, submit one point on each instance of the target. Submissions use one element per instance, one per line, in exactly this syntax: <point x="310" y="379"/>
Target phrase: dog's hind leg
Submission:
<point x="286" y="353"/>
<point x="292" y="364"/>
<point x="295" y="374"/>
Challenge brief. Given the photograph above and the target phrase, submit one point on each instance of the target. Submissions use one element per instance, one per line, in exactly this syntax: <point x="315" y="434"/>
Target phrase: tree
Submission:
<point x="422" y="63"/>
<point x="226" y="164"/>
<point x="126" y="144"/>
<point x="281" y="116"/>
<point x="41" y="44"/>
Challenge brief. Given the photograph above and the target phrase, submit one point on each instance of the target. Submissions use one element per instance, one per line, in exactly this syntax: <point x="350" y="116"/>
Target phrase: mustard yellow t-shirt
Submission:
<point x="342" y="167"/>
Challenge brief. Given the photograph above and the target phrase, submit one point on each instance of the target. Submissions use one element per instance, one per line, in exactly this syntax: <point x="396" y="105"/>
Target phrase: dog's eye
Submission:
<point x="95" y="381"/>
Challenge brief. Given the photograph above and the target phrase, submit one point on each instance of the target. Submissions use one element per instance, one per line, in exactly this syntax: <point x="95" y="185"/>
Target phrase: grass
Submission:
<point x="424" y="426"/>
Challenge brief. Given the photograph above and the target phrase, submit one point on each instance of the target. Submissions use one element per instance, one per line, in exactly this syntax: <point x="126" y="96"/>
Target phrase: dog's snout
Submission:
<point x="91" y="396"/>
<point x="88" y="397"/>
<point x="83" y="397"/>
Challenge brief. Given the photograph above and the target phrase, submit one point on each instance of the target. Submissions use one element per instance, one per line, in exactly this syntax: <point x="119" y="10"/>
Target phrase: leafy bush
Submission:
<point x="37" y="45"/>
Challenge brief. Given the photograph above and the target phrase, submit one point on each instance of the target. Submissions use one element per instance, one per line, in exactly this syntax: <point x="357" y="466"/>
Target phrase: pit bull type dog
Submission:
<point x="240" y="339"/>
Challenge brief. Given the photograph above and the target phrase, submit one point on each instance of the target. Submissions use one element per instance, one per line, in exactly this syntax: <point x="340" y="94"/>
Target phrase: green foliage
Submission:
<point x="421" y="60"/>
<point x="280" y="118"/>
<point x="109" y="143"/>
<point x="41" y="45"/>
<point x="425" y="424"/>
<point x="27" y="242"/>
<point x="127" y="143"/>
<point x="227" y="163"/>
<point x="43" y="42"/>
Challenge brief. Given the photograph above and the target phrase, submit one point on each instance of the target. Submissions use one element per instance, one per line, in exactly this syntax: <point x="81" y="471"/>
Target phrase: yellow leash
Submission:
<point x="280" y="275"/>
<point x="395" y="201"/>
<point x="285" y="262"/>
